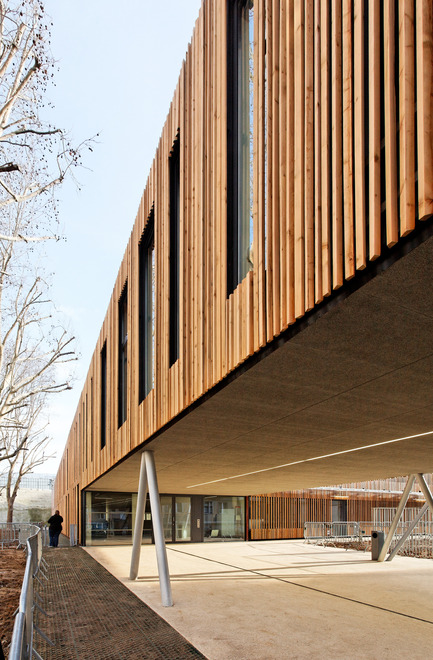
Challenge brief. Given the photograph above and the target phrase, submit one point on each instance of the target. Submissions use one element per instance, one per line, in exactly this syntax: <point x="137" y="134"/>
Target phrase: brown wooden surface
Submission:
<point x="282" y="515"/>
<point x="319" y="160"/>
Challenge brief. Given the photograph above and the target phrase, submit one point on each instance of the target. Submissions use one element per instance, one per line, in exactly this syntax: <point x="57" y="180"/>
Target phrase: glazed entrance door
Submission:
<point x="176" y="517"/>
<point x="182" y="530"/>
<point x="167" y="516"/>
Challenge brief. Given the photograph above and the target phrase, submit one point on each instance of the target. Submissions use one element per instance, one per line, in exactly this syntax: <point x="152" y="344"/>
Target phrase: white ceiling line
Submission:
<point x="315" y="458"/>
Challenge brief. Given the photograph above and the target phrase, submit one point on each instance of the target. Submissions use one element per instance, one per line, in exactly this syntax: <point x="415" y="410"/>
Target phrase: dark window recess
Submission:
<point x="174" y="167"/>
<point x="123" y="361"/>
<point x="239" y="140"/>
<point x="146" y="255"/>
<point x="104" y="395"/>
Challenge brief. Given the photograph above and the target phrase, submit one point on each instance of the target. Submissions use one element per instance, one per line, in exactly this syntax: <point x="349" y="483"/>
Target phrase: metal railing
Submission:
<point x="15" y="535"/>
<point x="419" y="542"/>
<point x="22" y="647"/>
<point x="330" y="533"/>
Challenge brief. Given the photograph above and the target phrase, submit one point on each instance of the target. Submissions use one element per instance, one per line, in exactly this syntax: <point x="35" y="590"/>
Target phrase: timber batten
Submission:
<point x="341" y="172"/>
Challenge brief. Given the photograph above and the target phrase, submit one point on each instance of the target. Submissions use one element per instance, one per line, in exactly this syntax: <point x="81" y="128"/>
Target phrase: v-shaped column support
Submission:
<point x="148" y="478"/>
<point x="425" y="491"/>
<point x="404" y="498"/>
<point x="400" y="508"/>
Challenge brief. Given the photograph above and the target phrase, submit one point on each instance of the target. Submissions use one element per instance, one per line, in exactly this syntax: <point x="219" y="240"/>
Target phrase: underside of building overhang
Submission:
<point x="347" y="398"/>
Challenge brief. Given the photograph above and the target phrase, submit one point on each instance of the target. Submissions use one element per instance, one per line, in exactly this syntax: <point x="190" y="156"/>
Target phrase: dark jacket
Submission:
<point x="55" y="523"/>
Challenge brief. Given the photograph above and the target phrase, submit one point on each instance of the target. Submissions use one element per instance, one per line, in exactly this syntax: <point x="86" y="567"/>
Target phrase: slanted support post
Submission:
<point x="158" y="532"/>
<point x="428" y="505"/>
<point x="400" y="508"/>
<point x="407" y="533"/>
<point x="139" y="519"/>
<point x="425" y="491"/>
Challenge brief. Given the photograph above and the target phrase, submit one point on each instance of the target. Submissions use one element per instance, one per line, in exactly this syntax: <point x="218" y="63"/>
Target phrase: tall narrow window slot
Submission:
<point x="92" y="419"/>
<point x="103" y="395"/>
<point x="174" y="166"/>
<point x="146" y="255"/>
<point x="123" y="362"/>
<point x="240" y="74"/>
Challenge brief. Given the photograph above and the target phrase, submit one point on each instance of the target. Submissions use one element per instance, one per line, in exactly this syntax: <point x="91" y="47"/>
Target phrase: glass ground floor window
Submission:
<point x="224" y="518"/>
<point x="110" y="518"/>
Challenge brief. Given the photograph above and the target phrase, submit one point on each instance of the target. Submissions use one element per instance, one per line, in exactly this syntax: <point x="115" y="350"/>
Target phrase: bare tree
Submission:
<point x="35" y="352"/>
<point x="34" y="156"/>
<point x="26" y="444"/>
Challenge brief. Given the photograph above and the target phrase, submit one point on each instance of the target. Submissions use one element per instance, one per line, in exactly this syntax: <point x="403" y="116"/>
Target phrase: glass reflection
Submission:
<point x="224" y="518"/>
<point x="183" y="518"/>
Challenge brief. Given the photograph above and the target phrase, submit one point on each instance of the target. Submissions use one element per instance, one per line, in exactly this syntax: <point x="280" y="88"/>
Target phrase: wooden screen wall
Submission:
<point x="342" y="169"/>
<point x="282" y="515"/>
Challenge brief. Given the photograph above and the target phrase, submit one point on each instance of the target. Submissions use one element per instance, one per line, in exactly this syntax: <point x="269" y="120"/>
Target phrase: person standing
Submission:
<point x="55" y="523"/>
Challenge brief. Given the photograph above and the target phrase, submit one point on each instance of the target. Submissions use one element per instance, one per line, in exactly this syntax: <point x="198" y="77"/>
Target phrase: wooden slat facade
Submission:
<point x="342" y="170"/>
<point x="282" y="515"/>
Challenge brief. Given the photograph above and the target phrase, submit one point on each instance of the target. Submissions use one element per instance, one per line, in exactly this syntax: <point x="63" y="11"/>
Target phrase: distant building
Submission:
<point x="34" y="481"/>
<point x="34" y="500"/>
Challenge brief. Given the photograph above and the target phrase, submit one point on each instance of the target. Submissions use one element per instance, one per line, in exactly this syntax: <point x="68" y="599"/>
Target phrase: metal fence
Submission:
<point x="15" y="535"/>
<point x="419" y="542"/>
<point x="22" y="647"/>
<point x="331" y="533"/>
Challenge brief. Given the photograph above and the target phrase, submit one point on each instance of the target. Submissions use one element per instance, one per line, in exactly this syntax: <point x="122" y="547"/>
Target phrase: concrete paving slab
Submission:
<point x="287" y="599"/>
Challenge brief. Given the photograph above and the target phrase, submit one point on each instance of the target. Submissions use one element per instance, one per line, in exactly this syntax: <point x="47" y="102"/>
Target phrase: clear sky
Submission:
<point x="118" y="67"/>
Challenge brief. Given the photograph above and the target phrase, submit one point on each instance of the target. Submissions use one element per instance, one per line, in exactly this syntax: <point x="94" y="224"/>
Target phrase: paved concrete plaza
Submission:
<point x="287" y="599"/>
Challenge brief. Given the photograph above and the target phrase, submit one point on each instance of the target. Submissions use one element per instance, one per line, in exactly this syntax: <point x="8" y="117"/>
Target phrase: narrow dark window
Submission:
<point x="174" y="167"/>
<point x="92" y="419"/>
<point x="146" y="254"/>
<point x="86" y="439"/>
<point x="240" y="40"/>
<point x="104" y="395"/>
<point x="123" y="361"/>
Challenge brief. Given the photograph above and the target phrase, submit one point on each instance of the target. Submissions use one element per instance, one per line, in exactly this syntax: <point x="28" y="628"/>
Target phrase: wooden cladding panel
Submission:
<point x="309" y="182"/>
<point x="347" y="145"/>
<point x="299" y="159"/>
<point x="406" y="60"/>
<point x="390" y="122"/>
<point x="424" y="83"/>
<point x="359" y="72"/>
<point x="374" y="150"/>
<point x="342" y="169"/>
<point x="282" y="515"/>
<point x="337" y="145"/>
<point x="323" y="151"/>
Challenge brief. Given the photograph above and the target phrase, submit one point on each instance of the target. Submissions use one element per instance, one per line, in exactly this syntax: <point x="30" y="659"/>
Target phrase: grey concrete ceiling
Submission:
<point x="360" y="375"/>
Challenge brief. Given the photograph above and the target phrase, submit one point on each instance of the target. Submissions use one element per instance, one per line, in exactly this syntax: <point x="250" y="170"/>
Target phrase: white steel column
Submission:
<point x="139" y="519"/>
<point x="400" y="508"/>
<point x="158" y="532"/>
<point x="425" y="491"/>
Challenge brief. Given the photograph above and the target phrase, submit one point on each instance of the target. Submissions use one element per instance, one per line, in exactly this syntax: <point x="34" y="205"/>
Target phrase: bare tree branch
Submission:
<point x="28" y="239"/>
<point x="9" y="167"/>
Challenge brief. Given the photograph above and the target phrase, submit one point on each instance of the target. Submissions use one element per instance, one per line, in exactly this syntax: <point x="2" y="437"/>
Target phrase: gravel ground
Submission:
<point x="12" y="564"/>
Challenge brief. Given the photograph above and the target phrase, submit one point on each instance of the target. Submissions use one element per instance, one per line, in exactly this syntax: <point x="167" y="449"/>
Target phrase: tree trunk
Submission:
<point x="11" y="502"/>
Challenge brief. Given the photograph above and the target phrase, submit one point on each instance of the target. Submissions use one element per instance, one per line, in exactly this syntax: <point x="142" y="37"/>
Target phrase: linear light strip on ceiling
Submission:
<point x="315" y="458"/>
